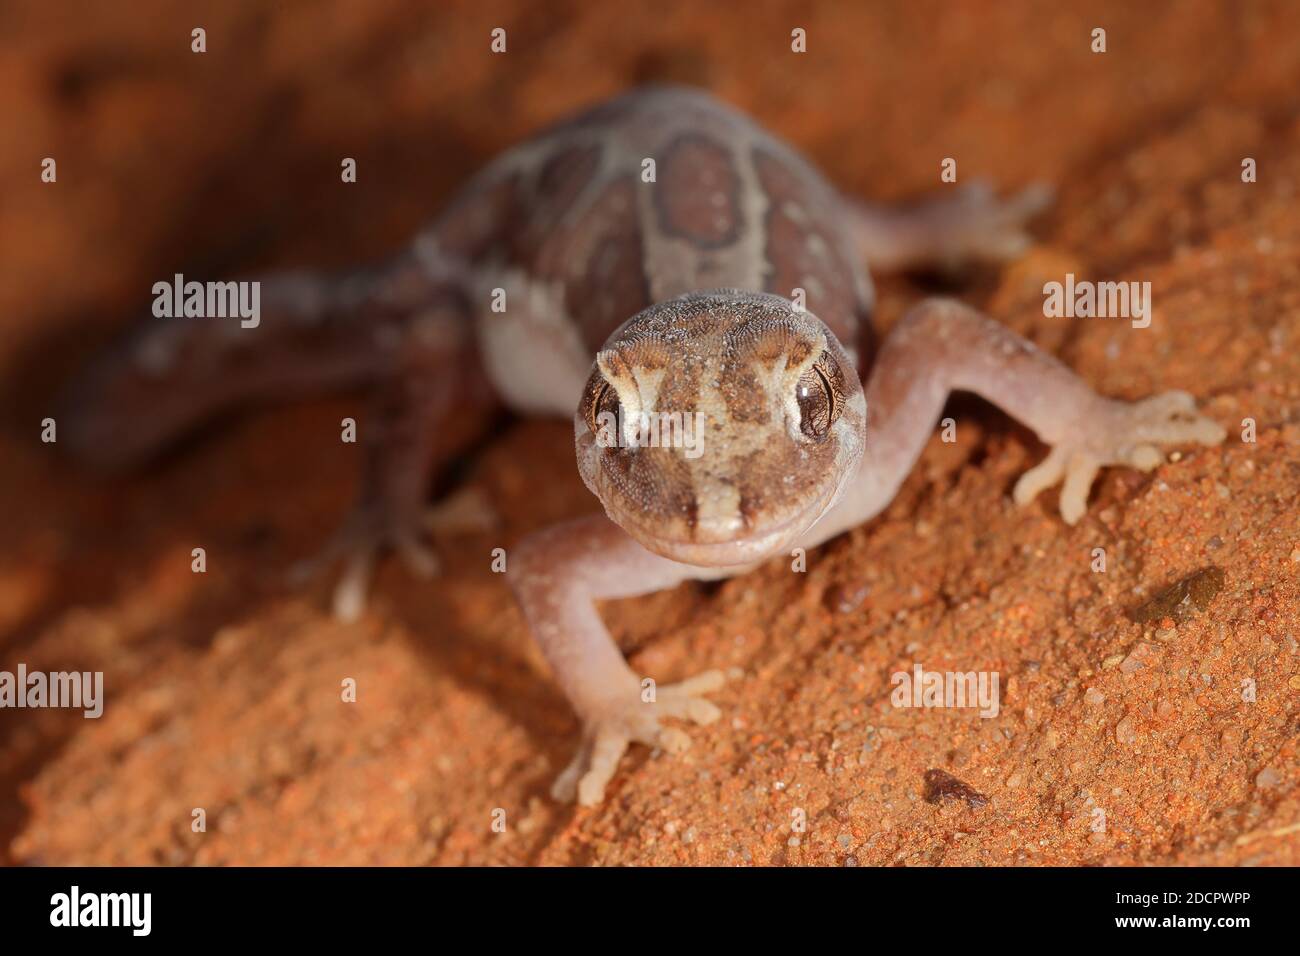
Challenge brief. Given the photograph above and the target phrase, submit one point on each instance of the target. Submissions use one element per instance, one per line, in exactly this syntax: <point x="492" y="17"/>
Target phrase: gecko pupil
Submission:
<point x="819" y="400"/>
<point x="604" y="400"/>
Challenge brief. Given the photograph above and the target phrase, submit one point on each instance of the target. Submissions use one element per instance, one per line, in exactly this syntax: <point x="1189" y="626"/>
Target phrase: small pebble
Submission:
<point x="1182" y="599"/>
<point x="941" y="786"/>
<point x="846" y="598"/>
<point x="1124" y="731"/>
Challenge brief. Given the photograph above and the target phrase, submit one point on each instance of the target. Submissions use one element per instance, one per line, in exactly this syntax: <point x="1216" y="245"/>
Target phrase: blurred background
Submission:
<point x="222" y="689"/>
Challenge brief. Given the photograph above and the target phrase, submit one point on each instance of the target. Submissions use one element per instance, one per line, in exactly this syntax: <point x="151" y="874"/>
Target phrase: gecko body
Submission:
<point x="658" y="258"/>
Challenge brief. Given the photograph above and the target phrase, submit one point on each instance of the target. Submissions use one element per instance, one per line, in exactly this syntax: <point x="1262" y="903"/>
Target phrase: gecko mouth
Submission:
<point x="724" y="549"/>
<point x="729" y="517"/>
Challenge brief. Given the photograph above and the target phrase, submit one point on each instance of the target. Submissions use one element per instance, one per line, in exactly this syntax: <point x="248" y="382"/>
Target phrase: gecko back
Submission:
<point x="656" y="194"/>
<point x="546" y="252"/>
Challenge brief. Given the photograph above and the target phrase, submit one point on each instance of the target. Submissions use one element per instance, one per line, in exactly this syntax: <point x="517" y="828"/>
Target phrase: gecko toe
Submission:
<point x="1144" y="457"/>
<point x="565" y="787"/>
<point x="606" y="751"/>
<point x="1175" y="400"/>
<point x="1172" y="418"/>
<point x="1079" y="477"/>
<point x="1041" y="477"/>
<point x="702" y="683"/>
<point x="349" y="601"/>
<point x="695" y="709"/>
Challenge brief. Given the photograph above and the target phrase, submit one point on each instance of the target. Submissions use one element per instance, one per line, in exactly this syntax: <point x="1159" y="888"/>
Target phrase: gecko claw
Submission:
<point x="607" y="737"/>
<point x="1124" y="433"/>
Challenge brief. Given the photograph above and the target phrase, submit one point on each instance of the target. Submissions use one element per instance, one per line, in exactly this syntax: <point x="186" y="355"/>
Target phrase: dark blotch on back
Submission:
<point x="609" y="284"/>
<point x="791" y="263"/>
<point x="560" y="183"/>
<point x="659" y="478"/>
<point x="690" y="177"/>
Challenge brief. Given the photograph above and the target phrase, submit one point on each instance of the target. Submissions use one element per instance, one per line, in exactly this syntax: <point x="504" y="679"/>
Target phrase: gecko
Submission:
<point x="659" y="256"/>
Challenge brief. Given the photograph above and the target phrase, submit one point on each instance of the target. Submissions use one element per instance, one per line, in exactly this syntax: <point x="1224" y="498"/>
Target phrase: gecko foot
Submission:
<point x="976" y="226"/>
<point x="1123" y="433"/>
<point x="606" y="737"/>
<point x="357" y="545"/>
<point x="374" y="529"/>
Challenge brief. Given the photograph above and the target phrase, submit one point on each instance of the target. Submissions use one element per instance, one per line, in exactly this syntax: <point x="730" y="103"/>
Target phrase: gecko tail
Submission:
<point x="286" y="335"/>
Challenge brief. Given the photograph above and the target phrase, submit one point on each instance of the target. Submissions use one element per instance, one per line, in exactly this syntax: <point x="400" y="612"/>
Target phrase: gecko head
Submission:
<point x="716" y="428"/>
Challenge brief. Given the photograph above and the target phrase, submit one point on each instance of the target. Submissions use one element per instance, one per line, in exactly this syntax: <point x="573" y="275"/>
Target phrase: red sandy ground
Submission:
<point x="223" y="689"/>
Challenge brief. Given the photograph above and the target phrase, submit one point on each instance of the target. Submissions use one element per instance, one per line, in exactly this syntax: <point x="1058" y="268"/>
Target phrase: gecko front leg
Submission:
<point x="557" y="575"/>
<point x="755" y="420"/>
<point x="942" y="346"/>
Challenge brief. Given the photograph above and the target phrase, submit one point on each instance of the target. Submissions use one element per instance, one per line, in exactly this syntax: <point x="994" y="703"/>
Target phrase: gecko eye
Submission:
<point x="821" y="397"/>
<point x="598" y="403"/>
